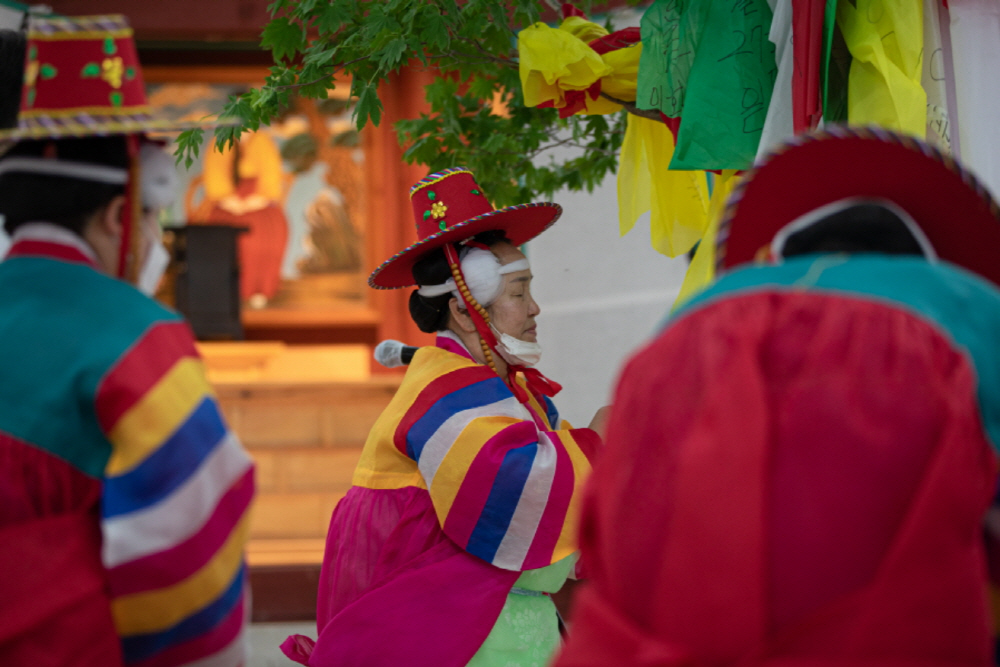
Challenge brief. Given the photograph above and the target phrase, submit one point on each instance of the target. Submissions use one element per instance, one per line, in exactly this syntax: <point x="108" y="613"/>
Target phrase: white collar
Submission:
<point x="46" y="231"/>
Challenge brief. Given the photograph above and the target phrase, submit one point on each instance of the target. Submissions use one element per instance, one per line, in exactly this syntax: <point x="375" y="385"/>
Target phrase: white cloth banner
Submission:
<point x="975" y="41"/>
<point x="935" y="79"/>
<point x="779" y="125"/>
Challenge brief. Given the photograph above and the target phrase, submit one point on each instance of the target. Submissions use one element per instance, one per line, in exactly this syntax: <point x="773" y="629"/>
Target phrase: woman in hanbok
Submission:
<point x="461" y="521"/>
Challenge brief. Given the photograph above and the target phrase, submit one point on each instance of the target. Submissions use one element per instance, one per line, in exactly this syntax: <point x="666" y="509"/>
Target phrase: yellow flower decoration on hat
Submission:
<point x="438" y="209"/>
<point x="113" y="71"/>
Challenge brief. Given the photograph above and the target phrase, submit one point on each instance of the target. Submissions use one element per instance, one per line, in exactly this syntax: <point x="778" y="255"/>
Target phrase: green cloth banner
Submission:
<point x="710" y="63"/>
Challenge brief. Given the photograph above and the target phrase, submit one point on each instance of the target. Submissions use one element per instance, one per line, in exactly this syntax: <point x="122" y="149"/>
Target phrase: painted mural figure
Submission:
<point x="245" y="186"/>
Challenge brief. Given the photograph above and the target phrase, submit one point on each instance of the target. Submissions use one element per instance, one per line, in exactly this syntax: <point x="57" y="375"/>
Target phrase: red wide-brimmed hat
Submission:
<point x="954" y="210"/>
<point x="82" y="79"/>
<point x="449" y="206"/>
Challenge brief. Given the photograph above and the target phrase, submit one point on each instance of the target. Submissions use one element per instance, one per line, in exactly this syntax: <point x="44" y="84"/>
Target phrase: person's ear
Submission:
<point x="103" y="233"/>
<point x="461" y="316"/>
<point x="109" y="219"/>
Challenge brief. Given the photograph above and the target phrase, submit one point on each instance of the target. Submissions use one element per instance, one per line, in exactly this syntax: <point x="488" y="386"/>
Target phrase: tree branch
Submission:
<point x="469" y="58"/>
<point x="485" y="51"/>
<point x="569" y="142"/>
<point x="333" y="72"/>
<point x="633" y="109"/>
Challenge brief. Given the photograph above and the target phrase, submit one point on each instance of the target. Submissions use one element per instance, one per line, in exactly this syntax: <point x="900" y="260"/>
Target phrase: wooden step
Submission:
<point x="303" y="413"/>
<point x="282" y="552"/>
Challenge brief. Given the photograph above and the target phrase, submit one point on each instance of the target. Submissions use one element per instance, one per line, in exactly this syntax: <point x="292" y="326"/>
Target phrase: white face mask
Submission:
<point x="516" y="351"/>
<point x="152" y="269"/>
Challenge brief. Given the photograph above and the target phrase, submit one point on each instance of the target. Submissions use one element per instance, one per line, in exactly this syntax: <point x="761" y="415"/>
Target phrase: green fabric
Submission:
<point x="670" y="30"/>
<point x="527" y="632"/>
<point x="710" y="62"/>
<point x="63" y="326"/>
<point x="729" y="88"/>
<point x="829" y="25"/>
<point x="836" y="68"/>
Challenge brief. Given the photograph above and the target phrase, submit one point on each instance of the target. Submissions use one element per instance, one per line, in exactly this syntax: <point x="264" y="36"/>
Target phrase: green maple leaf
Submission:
<point x="332" y="17"/>
<point x="283" y="38"/>
<point x="369" y="107"/>
<point x="392" y="54"/>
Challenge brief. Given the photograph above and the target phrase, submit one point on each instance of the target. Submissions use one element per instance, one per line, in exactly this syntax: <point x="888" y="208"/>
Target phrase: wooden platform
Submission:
<point x="344" y="326"/>
<point x="303" y="413"/>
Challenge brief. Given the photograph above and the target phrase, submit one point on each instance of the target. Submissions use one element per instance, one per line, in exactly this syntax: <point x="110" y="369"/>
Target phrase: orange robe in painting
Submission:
<point x="244" y="186"/>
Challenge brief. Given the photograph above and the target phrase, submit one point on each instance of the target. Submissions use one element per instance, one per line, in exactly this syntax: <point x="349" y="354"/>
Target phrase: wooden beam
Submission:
<point x="198" y="20"/>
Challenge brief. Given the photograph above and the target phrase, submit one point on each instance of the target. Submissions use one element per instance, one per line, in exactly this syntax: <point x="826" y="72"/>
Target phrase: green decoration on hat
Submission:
<point x="91" y="71"/>
<point x="110" y="48"/>
<point x="48" y="72"/>
<point x="427" y="214"/>
<point x="442" y="225"/>
<point x="115" y="98"/>
<point x="431" y="195"/>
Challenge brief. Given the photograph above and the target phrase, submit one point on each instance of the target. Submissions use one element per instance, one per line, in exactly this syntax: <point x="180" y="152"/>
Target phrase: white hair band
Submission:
<point x="431" y="291"/>
<point x="482" y="271"/>
<point x="83" y="171"/>
<point x="514" y="267"/>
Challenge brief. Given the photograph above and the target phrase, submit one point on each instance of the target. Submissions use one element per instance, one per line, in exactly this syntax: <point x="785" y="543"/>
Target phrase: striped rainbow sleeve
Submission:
<point x="504" y="489"/>
<point x="175" y="518"/>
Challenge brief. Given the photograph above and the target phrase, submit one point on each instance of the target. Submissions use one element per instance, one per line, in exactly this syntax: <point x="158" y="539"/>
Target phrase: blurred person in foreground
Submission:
<point x="123" y="494"/>
<point x="798" y="467"/>
<point x="462" y="519"/>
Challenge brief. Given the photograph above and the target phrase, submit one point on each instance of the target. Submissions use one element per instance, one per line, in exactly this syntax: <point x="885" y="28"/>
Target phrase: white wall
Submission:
<point x="601" y="296"/>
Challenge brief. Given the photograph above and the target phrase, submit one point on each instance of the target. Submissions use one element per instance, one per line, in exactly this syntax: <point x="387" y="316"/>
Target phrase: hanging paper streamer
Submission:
<point x="702" y="270"/>
<point x="677" y="200"/>
<point x="886" y="39"/>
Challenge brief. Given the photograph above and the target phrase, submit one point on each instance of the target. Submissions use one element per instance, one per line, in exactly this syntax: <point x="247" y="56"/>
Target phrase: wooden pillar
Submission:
<point x="390" y="219"/>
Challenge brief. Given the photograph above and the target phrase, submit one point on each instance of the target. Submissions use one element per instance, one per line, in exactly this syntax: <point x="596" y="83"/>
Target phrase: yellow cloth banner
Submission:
<point x="677" y="200"/>
<point x="702" y="270"/>
<point x="553" y="61"/>
<point x="621" y="82"/>
<point x="886" y="40"/>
